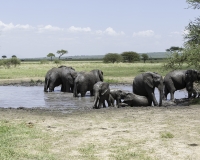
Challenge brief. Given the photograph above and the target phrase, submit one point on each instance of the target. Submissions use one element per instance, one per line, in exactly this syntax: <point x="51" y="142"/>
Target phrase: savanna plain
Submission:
<point x="141" y="133"/>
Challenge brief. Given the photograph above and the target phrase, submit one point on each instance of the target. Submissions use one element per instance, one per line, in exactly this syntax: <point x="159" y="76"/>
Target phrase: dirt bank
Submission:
<point x="168" y="133"/>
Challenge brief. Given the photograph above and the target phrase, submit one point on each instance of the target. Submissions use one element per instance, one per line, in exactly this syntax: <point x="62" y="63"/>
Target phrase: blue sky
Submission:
<point x="91" y="27"/>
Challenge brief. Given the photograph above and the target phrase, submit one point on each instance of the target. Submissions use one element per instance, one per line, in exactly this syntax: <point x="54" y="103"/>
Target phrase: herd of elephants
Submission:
<point x="143" y="86"/>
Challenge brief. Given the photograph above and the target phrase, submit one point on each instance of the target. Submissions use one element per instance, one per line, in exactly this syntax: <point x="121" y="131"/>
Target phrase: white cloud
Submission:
<point x="10" y="26"/>
<point x="79" y="29"/>
<point x="48" y="28"/>
<point x="147" y="33"/>
<point x="109" y="31"/>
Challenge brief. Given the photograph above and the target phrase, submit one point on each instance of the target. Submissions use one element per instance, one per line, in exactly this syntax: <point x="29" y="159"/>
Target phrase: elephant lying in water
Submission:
<point x="132" y="99"/>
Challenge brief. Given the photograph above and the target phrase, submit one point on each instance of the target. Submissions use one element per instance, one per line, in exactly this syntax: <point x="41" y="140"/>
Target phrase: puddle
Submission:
<point x="34" y="97"/>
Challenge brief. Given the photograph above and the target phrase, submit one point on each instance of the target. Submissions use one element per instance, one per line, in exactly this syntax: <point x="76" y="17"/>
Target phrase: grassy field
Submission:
<point x="113" y="73"/>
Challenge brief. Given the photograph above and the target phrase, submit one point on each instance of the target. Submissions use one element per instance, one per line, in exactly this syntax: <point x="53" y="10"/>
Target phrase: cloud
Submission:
<point x="11" y="26"/>
<point x="109" y="31"/>
<point x="147" y="33"/>
<point x="48" y="28"/>
<point x="79" y="29"/>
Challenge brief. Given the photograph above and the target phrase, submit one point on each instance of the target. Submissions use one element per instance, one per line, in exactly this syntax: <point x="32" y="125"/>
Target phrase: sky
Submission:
<point x="34" y="28"/>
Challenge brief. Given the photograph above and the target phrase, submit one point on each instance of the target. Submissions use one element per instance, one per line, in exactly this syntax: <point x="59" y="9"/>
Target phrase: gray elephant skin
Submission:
<point x="132" y="99"/>
<point x="63" y="76"/>
<point x="144" y="85"/>
<point x="85" y="81"/>
<point x="180" y="79"/>
<point x="102" y="94"/>
<point x="117" y="95"/>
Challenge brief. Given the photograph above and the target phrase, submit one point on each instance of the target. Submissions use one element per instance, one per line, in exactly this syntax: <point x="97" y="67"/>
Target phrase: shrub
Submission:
<point x="44" y="61"/>
<point x="7" y="63"/>
<point x="57" y="61"/>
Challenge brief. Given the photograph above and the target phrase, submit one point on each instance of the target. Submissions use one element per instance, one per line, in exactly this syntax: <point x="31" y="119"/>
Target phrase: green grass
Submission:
<point x="166" y="135"/>
<point x="23" y="141"/>
<point x="112" y="72"/>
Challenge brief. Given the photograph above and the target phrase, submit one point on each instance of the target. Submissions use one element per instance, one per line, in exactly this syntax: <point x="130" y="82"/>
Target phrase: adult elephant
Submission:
<point x="63" y="76"/>
<point x="102" y="94"/>
<point x="180" y="79"/>
<point x="85" y="81"/>
<point x="144" y="85"/>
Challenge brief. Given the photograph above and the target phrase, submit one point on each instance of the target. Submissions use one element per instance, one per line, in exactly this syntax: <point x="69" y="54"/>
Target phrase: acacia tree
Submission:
<point x="130" y="56"/>
<point x="112" y="58"/>
<point x="62" y="52"/>
<point x="145" y="57"/>
<point x="51" y="55"/>
<point x="4" y="56"/>
<point x="14" y="56"/>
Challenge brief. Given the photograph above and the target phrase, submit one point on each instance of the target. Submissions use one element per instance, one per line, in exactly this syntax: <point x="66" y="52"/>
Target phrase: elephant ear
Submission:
<point x="74" y="74"/>
<point x="100" y="75"/>
<point x="148" y="79"/>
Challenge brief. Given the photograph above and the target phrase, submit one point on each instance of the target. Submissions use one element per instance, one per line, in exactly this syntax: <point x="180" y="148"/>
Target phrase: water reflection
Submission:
<point x="33" y="96"/>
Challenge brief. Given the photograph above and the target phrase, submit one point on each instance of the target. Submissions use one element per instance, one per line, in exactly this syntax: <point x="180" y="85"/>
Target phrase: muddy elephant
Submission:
<point x="180" y="79"/>
<point x="132" y="99"/>
<point x="63" y="76"/>
<point x="101" y="94"/>
<point x="144" y="85"/>
<point x="117" y="95"/>
<point x="85" y="81"/>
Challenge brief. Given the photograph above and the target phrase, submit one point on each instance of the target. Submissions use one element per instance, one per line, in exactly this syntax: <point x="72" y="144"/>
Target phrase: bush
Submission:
<point x="112" y="58"/>
<point x="44" y="61"/>
<point x="7" y="63"/>
<point x="57" y="61"/>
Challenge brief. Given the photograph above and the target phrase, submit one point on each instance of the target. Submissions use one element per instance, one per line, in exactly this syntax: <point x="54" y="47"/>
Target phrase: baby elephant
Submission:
<point x="101" y="94"/>
<point x="117" y="95"/>
<point x="132" y="99"/>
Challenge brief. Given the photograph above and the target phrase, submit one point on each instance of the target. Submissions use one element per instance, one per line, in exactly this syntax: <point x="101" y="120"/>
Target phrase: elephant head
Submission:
<point x="192" y="75"/>
<point x="152" y="80"/>
<point x="98" y="73"/>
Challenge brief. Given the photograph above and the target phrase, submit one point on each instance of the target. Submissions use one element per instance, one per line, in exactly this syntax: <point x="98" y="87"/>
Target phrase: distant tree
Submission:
<point x="145" y="57"/>
<point x="112" y="58"/>
<point x="62" y="52"/>
<point x="130" y="56"/>
<point x="14" y="56"/>
<point x="4" y="56"/>
<point x="174" y="48"/>
<point x="51" y="55"/>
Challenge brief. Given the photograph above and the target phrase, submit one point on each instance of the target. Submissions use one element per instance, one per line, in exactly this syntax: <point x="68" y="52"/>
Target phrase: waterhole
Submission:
<point x="34" y="97"/>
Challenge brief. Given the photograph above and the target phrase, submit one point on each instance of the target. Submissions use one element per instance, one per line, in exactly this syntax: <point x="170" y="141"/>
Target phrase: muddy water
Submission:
<point x="34" y="97"/>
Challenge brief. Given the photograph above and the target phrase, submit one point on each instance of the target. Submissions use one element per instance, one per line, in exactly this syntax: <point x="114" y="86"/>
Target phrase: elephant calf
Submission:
<point x="117" y="95"/>
<point x="102" y="94"/>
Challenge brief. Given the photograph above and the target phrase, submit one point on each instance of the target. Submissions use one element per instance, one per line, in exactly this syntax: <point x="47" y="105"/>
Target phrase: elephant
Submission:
<point x="180" y="79"/>
<point x="85" y="81"/>
<point x="132" y="99"/>
<point x="102" y="94"/>
<point x="117" y="95"/>
<point x="144" y="85"/>
<point x="63" y="76"/>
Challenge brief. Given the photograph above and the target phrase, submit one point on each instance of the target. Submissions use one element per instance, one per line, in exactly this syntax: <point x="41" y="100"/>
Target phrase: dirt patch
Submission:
<point x="117" y="133"/>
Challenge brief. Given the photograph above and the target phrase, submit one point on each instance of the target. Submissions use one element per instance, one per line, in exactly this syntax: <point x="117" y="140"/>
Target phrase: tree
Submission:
<point x="51" y="55"/>
<point x="4" y="56"/>
<point x="112" y="58"/>
<point x="145" y="57"/>
<point x="130" y="56"/>
<point x="14" y="56"/>
<point x="190" y="54"/>
<point x="62" y="52"/>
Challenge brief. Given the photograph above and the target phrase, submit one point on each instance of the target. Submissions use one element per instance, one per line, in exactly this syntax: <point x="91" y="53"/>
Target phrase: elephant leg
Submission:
<point x="166" y="91"/>
<point x="152" y="97"/>
<point x="91" y="93"/>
